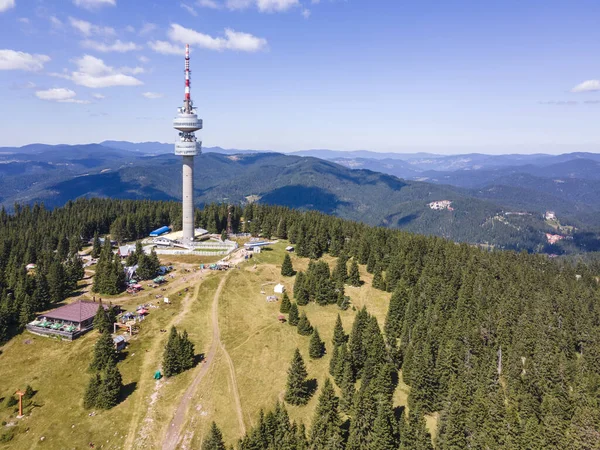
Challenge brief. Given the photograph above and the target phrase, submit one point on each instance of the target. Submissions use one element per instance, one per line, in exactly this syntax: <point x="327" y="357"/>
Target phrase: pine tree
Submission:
<point x="293" y="317"/>
<point x="378" y="282"/>
<point x="90" y="398"/>
<point x="110" y="389"/>
<point x="104" y="352"/>
<point x="287" y="269"/>
<point x="186" y="351"/>
<point x="384" y="436"/>
<point x="416" y="435"/>
<point x="325" y="433"/>
<point x="96" y="246"/>
<point x="340" y="273"/>
<point x="300" y="291"/>
<point x="27" y="311"/>
<point x="297" y="390"/>
<point x="354" y="275"/>
<point x="347" y="387"/>
<point x="171" y="357"/>
<point x="339" y="336"/>
<point x="286" y="305"/>
<point x="316" y="348"/>
<point x="214" y="440"/>
<point x="101" y="322"/>
<point x="304" y="326"/>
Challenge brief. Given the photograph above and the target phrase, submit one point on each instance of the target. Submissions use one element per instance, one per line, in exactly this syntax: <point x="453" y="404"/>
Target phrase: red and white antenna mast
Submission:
<point x="187" y="100"/>
<point x="187" y="123"/>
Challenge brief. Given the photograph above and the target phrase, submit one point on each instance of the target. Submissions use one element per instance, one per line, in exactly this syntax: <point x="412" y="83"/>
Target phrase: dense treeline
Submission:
<point x="505" y="346"/>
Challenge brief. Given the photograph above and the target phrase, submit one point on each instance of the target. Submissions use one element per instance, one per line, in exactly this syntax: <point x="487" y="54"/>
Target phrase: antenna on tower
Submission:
<point x="187" y="123"/>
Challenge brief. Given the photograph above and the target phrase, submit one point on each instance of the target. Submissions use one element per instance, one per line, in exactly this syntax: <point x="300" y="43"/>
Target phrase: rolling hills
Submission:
<point x="478" y="213"/>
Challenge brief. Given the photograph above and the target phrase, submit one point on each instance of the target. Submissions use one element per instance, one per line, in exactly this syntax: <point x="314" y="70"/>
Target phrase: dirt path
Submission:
<point x="175" y="428"/>
<point x="149" y="365"/>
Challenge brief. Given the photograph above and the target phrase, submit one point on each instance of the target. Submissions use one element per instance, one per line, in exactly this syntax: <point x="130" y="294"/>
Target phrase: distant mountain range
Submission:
<point x="498" y="200"/>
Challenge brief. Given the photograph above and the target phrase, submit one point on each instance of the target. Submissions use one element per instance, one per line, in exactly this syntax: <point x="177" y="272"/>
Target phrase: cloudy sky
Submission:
<point x="384" y="75"/>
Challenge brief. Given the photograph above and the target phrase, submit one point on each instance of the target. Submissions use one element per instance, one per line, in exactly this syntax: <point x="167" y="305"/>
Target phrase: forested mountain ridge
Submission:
<point x="56" y="174"/>
<point x="504" y="346"/>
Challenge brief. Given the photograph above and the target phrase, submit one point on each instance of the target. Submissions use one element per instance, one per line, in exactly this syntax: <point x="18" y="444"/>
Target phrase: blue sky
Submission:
<point x="449" y="77"/>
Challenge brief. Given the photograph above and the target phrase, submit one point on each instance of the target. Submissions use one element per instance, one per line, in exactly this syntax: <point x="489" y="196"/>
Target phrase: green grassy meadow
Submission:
<point x="259" y="345"/>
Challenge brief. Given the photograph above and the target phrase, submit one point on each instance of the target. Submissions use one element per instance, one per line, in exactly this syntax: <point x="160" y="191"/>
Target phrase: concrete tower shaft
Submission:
<point x="188" y="199"/>
<point x="187" y="123"/>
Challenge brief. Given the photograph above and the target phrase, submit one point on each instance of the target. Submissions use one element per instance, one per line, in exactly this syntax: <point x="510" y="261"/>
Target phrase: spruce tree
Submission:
<point x="354" y="275"/>
<point x="378" y="282"/>
<point x="96" y="246"/>
<point x="171" y="357"/>
<point x="300" y="290"/>
<point x="297" y="390"/>
<point x="304" y="326"/>
<point x="325" y="432"/>
<point x="186" y="351"/>
<point x="104" y="352"/>
<point x="90" y="398"/>
<point x="287" y="269"/>
<point x="316" y="348"/>
<point x="340" y="273"/>
<point x="101" y="322"/>
<point x="214" y="440"/>
<point x="347" y="387"/>
<point x="293" y="317"/>
<point x="339" y="336"/>
<point x="384" y="435"/>
<point x="110" y="389"/>
<point x="286" y="305"/>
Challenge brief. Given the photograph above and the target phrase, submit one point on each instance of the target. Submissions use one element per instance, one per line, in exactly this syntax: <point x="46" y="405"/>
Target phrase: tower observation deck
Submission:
<point x="187" y="123"/>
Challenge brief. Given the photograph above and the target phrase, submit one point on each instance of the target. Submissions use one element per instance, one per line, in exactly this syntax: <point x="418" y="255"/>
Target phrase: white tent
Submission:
<point x="279" y="288"/>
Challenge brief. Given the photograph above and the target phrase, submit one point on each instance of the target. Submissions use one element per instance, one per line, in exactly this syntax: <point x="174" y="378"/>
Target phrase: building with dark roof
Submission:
<point x="68" y="322"/>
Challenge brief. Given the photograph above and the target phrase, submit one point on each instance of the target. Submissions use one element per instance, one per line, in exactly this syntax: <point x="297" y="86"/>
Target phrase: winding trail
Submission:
<point x="149" y="365"/>
<point x="173" y="434"/>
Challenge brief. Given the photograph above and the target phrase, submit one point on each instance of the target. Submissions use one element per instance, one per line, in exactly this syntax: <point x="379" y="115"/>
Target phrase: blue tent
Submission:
<point x="160" y="231"/>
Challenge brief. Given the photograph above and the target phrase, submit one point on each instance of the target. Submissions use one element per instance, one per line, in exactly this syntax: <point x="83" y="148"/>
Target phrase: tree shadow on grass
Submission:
<point x="127" y="390"/>
<point x="311" y="387"/>
<point x="398" y="410"/>
<point x="198" y="359"/>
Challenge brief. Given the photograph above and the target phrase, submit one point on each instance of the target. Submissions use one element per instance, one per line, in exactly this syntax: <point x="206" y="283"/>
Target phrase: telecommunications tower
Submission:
<point x="187" y="123"/>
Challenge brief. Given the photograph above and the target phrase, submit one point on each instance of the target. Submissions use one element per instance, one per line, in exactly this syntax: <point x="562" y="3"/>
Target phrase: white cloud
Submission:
<point x="189" y="9"/>
<point x="233" y="40"/>
<point x="147" y="28"/>
<point x="13" y="60"/>
<point x="166" y="48"/>
<point x="306" y="13"/>
<point x="116" y="46"/>
<point x="94" y="4"/>
<point x="276" y="5"/>
<point x="93" y="73"/>
<point x="212" y="4"/>
<point x="98" y="96"/>
<point x="130" y="29"/>
<point x="587" y="86"/>
<point x="152" y="95"/>
<point x="87" y="28"/>
<point x="5" y="5"/>
<point x="263" y="5"/>
<point x="61" y="95"/>
<point x="143" y="59"/>
<point x="132" y="70"/>
<point x="55" y="22"/>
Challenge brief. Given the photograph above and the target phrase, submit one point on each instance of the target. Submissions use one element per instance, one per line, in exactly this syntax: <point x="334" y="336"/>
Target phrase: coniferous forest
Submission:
<point x="504" y="346"/>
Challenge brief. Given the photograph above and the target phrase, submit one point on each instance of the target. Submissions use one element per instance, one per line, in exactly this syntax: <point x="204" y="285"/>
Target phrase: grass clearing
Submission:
<point x="260" y="348"/>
